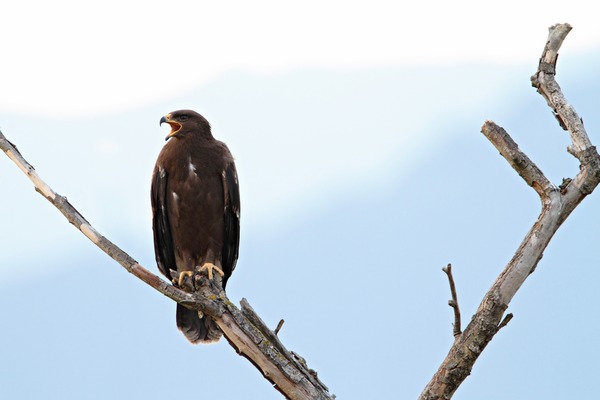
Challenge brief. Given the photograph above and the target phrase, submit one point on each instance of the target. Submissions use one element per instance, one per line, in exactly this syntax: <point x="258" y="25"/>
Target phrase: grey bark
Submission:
<point x="557" y="204"/>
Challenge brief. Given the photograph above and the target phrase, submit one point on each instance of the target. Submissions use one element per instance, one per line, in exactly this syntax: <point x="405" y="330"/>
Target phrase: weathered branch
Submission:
<point x="557" y="205"/>
<point x="278" y="327"/>
<point x="454" y="301"/>
<point x="244" y="330"/>
<point x="505" y="321"/>
<point x="517" y="159"/>
<point x="546" y="85"/>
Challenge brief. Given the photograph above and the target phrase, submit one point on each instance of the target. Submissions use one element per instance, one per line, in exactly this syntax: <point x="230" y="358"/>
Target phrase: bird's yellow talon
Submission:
<point x="182" y="274"/>
<point x="209" y="267"/>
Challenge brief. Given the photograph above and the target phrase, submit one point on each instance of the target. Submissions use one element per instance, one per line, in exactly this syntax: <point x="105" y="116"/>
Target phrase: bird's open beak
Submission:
<point x="175" y="126"/>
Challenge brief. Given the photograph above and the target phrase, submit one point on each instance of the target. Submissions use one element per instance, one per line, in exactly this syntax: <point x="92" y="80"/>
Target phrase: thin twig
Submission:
<point x="505" y="321"/>
<point x="454" y="301"/>
<point x="279" y="326"/>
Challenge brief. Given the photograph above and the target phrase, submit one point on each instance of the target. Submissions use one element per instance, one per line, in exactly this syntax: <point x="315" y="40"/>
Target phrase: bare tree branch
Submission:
<point x="454" y="301"/>
<point x="517" y="159"/>
<point x="557" y="205"/>
<point x="546" y="85"/>
<point x="279" y="326"/>
<point x="505" y="321"/>
<point x="244" y="330"/>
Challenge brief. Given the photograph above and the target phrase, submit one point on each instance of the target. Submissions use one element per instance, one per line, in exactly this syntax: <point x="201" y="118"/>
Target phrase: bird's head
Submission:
<point x="183" y="122"/>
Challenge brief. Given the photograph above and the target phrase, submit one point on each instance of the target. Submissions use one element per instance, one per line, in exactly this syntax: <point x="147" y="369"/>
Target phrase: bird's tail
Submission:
<point x="195" y="328"/>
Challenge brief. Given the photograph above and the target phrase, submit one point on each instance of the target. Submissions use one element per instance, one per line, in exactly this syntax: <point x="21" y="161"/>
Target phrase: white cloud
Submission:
<point x="68" y="58"/>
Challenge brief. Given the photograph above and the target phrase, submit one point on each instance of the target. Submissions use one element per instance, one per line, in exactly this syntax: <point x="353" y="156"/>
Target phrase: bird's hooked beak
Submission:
<point x="175" y="126"/>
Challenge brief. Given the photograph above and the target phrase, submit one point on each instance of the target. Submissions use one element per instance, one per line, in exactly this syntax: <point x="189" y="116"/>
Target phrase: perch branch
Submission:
<point x="557" y="205"/>
<point x="454" y="301"/>
<point x="249" y="336"/>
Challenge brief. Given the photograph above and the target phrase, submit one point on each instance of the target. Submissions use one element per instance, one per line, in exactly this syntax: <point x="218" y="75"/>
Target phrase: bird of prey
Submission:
<point x="195" y="212"/>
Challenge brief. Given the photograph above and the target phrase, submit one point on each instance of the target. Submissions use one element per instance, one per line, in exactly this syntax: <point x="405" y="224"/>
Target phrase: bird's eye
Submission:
<point x="183" y="118"/>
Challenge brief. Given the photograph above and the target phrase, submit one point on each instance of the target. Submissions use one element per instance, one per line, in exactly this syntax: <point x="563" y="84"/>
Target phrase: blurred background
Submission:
<point x="355" y="128"/>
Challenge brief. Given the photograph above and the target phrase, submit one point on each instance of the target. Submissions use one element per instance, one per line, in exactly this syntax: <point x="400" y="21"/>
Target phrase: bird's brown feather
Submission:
<point x="196" y="210"/>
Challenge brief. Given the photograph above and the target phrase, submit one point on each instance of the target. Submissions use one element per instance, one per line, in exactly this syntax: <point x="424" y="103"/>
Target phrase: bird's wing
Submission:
<point x="231" y="216"/>
<point x="163" y="240"/>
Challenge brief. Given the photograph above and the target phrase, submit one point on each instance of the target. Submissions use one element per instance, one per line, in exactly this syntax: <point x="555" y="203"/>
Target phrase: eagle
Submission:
<point x="195" y="213"/>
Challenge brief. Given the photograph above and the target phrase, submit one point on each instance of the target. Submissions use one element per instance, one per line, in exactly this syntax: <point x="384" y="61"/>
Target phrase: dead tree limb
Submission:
<point x="557" y="205"/>
<point x="454" y="301"/>
<point x="243" y="329"/>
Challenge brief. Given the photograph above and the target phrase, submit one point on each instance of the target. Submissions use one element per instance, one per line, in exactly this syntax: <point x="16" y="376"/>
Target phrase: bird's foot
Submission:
<point x="182" y="276"/>
<point x="209" y="267"/>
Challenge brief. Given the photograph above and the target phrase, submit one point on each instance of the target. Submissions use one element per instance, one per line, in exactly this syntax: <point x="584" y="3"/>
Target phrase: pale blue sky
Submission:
<point x="356" y="133"/>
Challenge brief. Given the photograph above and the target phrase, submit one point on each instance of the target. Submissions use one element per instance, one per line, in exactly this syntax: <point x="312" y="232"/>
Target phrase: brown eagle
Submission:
<point x="195" y="212"/>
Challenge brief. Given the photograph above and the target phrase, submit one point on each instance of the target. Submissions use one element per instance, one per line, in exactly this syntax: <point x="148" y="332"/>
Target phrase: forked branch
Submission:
<point x="557" y="205"/>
